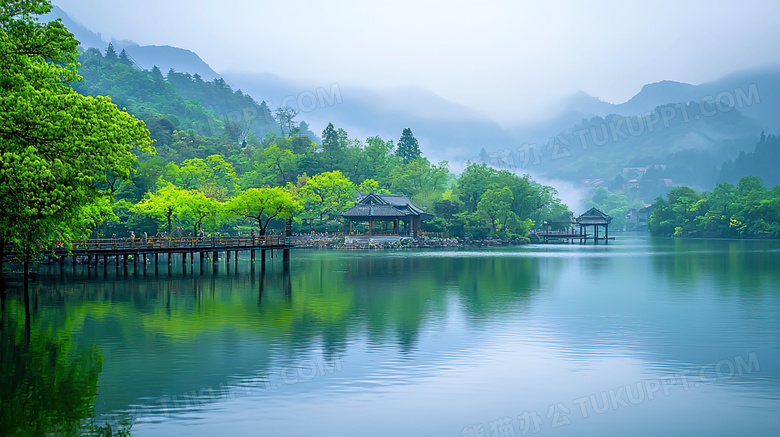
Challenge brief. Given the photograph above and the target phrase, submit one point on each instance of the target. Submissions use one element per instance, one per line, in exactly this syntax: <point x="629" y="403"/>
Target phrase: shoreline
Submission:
<point x="337" y="243"/>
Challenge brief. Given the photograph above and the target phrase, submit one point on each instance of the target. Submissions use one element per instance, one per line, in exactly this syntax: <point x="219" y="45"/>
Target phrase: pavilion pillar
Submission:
<point x="370" y="227"/>
<point x="395" y="227"/>
<point x="350" y="227"/>
<point x="595" y="234"/>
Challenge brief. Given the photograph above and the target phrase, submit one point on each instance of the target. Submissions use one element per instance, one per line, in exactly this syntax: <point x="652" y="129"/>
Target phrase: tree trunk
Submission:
<point x="2" y="261"/>
<point x="260" y="225"/>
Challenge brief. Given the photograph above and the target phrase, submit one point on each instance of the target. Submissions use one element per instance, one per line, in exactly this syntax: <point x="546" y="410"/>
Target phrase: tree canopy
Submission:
<point x="56" y="145"/>
<point x="748" y="210"/>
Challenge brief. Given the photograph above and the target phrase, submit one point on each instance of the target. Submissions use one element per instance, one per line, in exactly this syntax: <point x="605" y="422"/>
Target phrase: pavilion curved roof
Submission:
<point x="593" y="217"/>
<point x="385" y="206"/>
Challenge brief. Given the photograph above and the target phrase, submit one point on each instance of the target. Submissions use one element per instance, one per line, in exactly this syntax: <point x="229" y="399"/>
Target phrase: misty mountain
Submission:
<point x="145" y="57"/>
<point x="445" y="130"/>
<point x="86" y="37"/>
<point x="167" y="57"/>
<point x="747" y="103"/>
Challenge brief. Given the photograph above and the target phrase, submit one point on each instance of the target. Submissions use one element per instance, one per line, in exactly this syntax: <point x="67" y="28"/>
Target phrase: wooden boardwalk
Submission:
<point x="121" y="249"/>
<point x="557" y="237"/>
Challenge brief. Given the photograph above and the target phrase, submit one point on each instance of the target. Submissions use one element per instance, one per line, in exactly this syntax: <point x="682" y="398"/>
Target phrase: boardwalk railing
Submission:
<point x="162" y="243"/>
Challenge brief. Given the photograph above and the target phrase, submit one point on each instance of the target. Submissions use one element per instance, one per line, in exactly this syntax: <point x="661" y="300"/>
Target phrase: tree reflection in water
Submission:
<point x="48" y="383"/>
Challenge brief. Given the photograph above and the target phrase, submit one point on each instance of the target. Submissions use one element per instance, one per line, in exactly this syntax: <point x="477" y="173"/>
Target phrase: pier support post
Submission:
<point x="216" y="256"/>
<point x="286" y="259"/>
<point x="227" y="254"/>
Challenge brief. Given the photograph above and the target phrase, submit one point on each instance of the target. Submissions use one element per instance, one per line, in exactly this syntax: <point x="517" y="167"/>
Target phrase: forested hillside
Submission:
<point x="223" y="160"/>
<point x="762" y="162"/>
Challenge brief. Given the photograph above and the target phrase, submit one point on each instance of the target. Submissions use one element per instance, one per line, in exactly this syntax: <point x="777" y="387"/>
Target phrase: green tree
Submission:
<point x="379" y="158"/>
<point x="213" y="176"/>
<point x="371" y="186"/>
<point x="198" y="209"/>
<point x="285" y="117"/>
<point x="111" y="53"/>
<point x="327" y="194"/>
<point x="164" y="204"/>
<point x="271" y="166"/>
<point x="408" y="148"/>
<point x="330" y="139"/>
<point x="495" y="206"/>
<point x="264" y="205"/>
<point x="475" y="180"/>
<point x="679" y="210"/>
<point x="56" y="145"/>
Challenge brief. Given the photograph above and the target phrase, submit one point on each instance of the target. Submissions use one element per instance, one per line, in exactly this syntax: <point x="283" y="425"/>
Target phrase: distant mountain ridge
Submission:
<point x="447" y="130"/>
<point x="164" y="57"/>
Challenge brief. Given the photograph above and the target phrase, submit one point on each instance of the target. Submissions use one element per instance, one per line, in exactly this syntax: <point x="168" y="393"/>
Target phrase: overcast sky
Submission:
<point x="502" y="57"/>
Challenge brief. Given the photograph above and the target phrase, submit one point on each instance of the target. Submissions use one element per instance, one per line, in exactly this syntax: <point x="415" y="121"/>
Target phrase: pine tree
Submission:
<point x="330" y="139"/>
<point x="111" y="53"/>
<point x="123" y="58"/>
<point x="157" y="74"/>
<point x="408" y="148"/>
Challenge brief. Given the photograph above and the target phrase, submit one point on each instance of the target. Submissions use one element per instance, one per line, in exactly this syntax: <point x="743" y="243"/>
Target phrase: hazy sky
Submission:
<point x="501" y="57"/>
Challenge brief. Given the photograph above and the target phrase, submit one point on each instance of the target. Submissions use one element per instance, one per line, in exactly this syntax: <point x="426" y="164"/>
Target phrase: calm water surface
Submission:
<point x="641" y="337"/>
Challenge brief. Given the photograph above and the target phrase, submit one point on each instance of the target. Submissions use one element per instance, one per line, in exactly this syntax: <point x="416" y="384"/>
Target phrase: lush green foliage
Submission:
<point x="264" y="205"/>
<point x="56" y="146"/>
<point x="219" y="162"/>
<point x="615" y="205"/>
<point x="748" y="210"/>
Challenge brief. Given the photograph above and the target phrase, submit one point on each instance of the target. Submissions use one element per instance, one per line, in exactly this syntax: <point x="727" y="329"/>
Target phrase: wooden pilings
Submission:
<point x="93" y="252"/>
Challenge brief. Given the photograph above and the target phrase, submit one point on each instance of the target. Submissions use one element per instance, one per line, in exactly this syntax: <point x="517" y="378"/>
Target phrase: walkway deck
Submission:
<point x="125" y="247"/>
<point x="553" y="236"/>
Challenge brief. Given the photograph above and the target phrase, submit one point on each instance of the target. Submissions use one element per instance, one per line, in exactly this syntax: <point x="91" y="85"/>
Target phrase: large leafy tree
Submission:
<point x="213" y="176"/>
<point x="495" y="206"/>
<point x="199" y="210"/>
<point x="56" y="146"/>
<point x="164" y="204"/>
<point x="264" y="205"/>
<point x="327" y="193"/>
<point x="271" y="166"/>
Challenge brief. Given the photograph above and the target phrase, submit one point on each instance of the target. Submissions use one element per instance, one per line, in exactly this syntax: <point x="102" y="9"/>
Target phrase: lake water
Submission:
<point x="641" y="337"/>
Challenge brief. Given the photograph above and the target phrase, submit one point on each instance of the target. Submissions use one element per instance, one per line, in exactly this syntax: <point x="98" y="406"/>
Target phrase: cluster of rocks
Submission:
<point x="487" y="242"/>
<point x="418" y="243"/>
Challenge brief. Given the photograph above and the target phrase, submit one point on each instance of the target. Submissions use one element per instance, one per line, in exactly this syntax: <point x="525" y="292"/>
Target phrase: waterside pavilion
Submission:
<point x="383" y="209"/>
<point x="594" y="217"/>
